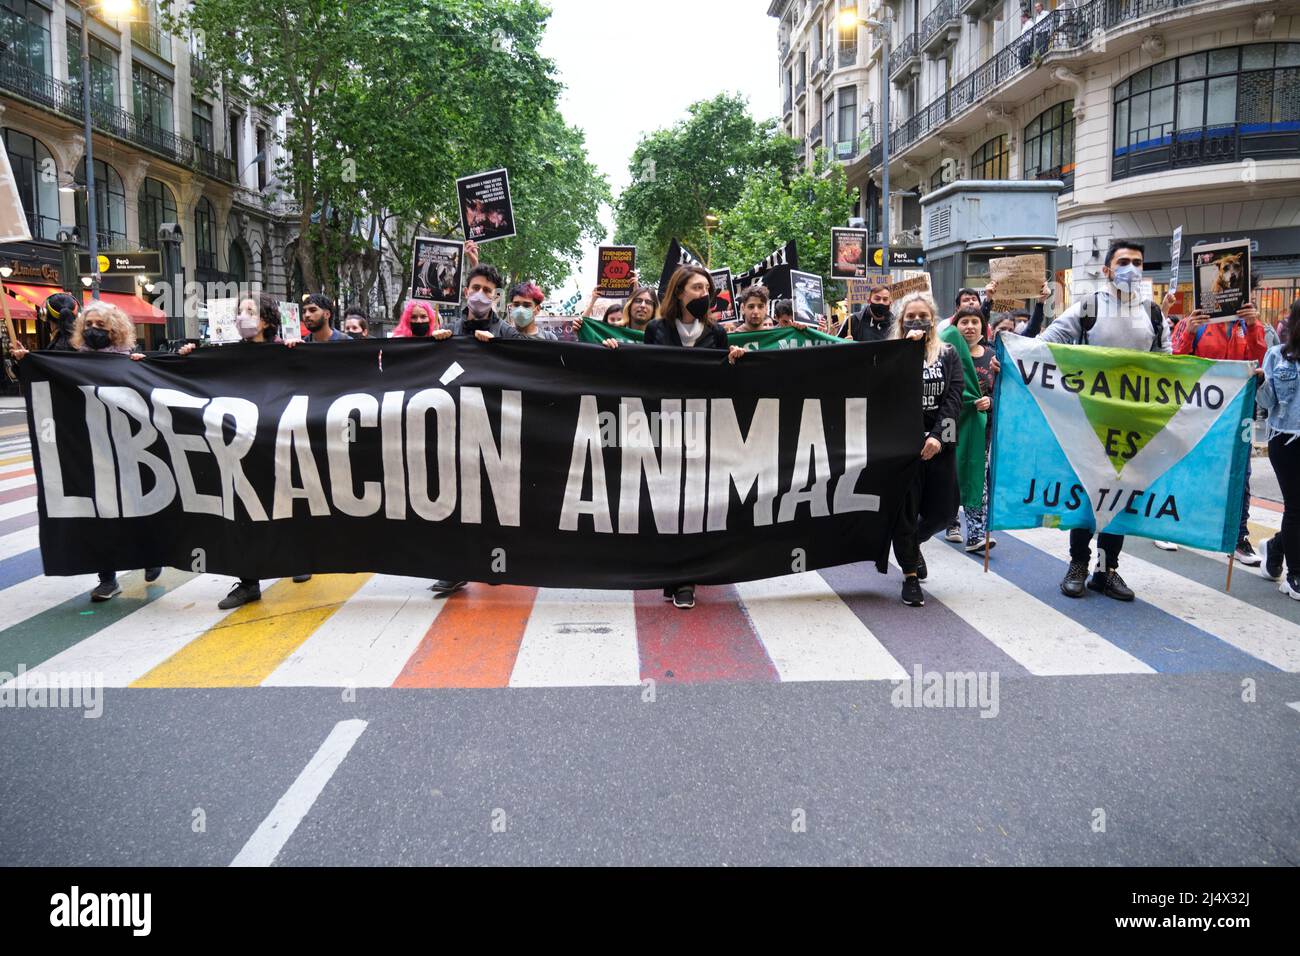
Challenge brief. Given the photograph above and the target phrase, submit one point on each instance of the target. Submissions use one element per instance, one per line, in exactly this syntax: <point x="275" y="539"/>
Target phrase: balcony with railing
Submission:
<point x="1061" y="31"/>
<point x="788" y="107"/>
<point x="815" y="136"/>
<point x="819" y="68"/>
<point x="148" y="36"/>
<point x="904" y="60"/>
<point x="941" y="28"/>
<point x="848" y="55"/>
<point x="1170" y="149"/>
<point x="201" y="72"/>
<point x="801" y="87"/>
<point x="65" y="99"/>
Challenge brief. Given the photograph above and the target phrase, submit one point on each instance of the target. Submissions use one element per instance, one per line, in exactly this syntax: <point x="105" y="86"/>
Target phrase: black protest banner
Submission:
<point x="505" y="461"/>
<point x="773" y="272"/>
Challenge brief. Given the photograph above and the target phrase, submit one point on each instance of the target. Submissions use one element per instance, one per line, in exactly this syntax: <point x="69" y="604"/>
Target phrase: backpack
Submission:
<point x="1088" y="318"/>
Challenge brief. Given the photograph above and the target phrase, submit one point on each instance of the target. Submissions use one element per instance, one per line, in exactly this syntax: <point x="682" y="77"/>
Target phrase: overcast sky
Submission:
<point x="632" y="67"/>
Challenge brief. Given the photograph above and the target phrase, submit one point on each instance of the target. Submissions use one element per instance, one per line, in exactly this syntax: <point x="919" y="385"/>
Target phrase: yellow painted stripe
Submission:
<point x="13" y="430"/>
<point x="255" y="639"/>
<point x="14" y="461"/>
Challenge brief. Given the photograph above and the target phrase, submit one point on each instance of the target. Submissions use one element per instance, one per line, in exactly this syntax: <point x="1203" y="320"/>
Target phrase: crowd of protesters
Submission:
<point x="959" y="375"/>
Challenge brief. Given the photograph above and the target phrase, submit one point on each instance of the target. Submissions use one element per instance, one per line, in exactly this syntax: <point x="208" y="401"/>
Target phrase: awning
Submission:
<point x="25" y="301"/>
<point x="140" y="311"/>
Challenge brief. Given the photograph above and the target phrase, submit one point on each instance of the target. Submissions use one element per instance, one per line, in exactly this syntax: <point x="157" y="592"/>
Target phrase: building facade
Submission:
<point x="170" y="145"/>
<point x="1153" y="114"/>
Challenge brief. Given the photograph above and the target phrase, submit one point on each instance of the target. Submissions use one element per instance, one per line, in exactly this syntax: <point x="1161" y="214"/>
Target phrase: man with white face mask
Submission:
<point x="478" y="316"/>
<point x="1114" y="317"/>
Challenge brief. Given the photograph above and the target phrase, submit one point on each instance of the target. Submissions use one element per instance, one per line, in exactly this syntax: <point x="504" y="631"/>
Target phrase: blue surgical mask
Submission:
<point x="520" y="316"/>
<point x="1128" y="276"/>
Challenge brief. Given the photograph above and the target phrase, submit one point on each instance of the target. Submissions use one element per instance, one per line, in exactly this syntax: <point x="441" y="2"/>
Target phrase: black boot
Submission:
<point x="1075" y="577"/>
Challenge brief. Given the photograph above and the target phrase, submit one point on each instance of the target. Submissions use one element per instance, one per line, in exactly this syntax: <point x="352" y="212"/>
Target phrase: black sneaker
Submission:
<point x="1110" y="584"/>
<point x="913" y="596"/>
<point x="240" y="595"/>
<point x="922" y="572"/>
<point x="1291" y="587"/>
<point x="684" y="596"/>
<point x="1246" y="554"/>
<point x="1272" y="566"/>
<point x="446" y="587"/>
<point x="301" y="578"/>
<point x="106" y="590"/>
<point x="152" y="574"/>
<point x="1076" y="575"/>
<point x="953" y="534"/>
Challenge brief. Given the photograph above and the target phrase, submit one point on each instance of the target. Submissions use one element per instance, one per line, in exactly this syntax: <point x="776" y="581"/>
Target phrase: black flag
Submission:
<point x="773" y="272"/>
<point x="678" y="255"/>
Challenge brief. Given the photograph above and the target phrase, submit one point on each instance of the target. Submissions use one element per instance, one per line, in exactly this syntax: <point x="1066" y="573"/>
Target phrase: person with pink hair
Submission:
<point x="419" y="320"/>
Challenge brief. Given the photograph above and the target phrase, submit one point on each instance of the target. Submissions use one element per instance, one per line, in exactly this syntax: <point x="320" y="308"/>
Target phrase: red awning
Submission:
<point x="25" y="301"/>
<point x="140" y="311"/>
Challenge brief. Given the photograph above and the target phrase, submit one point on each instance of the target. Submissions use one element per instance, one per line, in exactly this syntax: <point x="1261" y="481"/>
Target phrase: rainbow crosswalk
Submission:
<point x="840" y="624"/>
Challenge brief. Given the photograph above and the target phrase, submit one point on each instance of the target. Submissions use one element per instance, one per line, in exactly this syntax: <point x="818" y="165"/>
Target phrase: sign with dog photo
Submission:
<point x="1221" y="277"/>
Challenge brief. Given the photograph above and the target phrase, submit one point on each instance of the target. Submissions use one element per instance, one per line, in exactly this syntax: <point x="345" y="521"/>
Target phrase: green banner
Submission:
<point x="782" y="337"/>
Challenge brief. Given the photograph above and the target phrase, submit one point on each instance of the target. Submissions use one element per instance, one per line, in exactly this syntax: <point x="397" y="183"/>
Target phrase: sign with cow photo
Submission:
<point x="1221" y="277"/>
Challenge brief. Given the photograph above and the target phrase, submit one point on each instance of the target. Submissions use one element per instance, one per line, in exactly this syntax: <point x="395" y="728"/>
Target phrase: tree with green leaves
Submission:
<point x="389" y="101"/>
<point x="771" y="211"/>
<point x="698" y="167"/>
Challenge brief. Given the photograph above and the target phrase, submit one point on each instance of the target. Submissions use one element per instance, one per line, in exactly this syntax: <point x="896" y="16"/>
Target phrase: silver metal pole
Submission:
<point x="93" y="238"/>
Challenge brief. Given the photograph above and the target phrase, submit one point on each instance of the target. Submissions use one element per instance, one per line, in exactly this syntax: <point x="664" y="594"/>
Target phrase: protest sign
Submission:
<point x="1019" y="277"/>
<point x="485" y="209"/>
<point x="848" y="253"/>
<point x="1221" y="277"/>
<point x="436" y="267"/>
<point x="614" y="268"/>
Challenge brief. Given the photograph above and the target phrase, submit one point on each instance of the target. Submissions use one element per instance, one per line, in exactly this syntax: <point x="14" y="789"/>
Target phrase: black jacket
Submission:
<point x="864" y="327"/>
<point x="664" y="332"/>
<point x="949" y="406"/>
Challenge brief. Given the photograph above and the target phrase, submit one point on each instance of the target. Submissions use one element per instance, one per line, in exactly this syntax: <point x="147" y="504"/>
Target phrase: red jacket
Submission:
<point x="1224" y="340"/>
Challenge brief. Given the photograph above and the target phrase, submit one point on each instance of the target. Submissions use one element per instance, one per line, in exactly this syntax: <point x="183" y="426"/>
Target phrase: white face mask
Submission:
<point x="1128" y="277"/>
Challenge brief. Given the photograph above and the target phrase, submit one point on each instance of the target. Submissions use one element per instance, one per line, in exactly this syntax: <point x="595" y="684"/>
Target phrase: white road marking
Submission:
<point x="274" y="832"/>
<point x="579" y="638"/>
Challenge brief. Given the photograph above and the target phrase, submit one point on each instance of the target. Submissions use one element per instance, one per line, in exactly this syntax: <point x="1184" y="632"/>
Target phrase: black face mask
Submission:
<point x="699" y="307"/>
<point x="879" y="310"/>
<point x="95" y="338"/>
<point x="419" y="328"/>
<point x="356" y="335"/>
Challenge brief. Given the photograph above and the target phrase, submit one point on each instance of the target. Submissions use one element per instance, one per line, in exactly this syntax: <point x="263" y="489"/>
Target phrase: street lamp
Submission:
<point x="113" y="10"/>
<point x="848" y="20"/>
<point x="710" y="223"/>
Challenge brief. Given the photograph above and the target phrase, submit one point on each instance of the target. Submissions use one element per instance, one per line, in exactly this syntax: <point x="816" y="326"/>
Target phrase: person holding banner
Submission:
<point x="931" y="499"/>
<point x="419" y="321"/>
<point x="1242" y="340"/>
<point x="318" y="315"/>
<point x="1112" y="317"/>
<point x="642" y="306"/>
<point x="980" y="379"/>
<point x="525" y="305"/>
<point x="1279" y="395"/>
<point x="753" y="309"/>
<point x="104" y="328"/>
<point x="478" y="317"/>
<point x="684" y="322"/>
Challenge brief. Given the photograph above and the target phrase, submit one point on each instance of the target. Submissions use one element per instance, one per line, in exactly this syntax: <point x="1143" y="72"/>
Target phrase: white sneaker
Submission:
<point x="1165" y="545"/>
<point x="953" y="534"/>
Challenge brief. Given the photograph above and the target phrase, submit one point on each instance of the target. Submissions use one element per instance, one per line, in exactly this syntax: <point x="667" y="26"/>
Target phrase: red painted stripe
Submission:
<point x="5" y="476"/>
<point x="1266" y="505"/>
<point x="17" y="494"/>
<point x="474" y="641"/>
<point x="714" y="641"/>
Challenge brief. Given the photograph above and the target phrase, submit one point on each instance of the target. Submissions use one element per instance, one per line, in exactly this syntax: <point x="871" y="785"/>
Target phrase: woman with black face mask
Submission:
<point x="418" y="321"/>
<point x="106" y="329"/>
<point x="684" y="322"/>
<point x="930" y="501"/>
